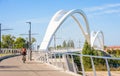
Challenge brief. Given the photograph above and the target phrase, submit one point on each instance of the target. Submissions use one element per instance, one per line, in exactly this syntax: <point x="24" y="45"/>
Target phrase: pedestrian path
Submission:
<point x="14" y="67"/>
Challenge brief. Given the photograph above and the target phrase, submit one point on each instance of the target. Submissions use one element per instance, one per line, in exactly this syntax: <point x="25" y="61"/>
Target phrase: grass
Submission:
<point x="1" y="55"/>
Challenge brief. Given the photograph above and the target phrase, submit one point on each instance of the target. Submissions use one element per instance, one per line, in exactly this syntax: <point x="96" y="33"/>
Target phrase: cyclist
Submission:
<point x="23" y="52"/>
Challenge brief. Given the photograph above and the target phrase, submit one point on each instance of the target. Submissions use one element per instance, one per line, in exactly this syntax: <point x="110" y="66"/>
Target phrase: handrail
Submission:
<point x="66" y="61"/>
<point x="9" y="51"/>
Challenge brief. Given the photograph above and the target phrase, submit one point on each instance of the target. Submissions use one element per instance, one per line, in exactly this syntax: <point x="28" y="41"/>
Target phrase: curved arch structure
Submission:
<point x="59" y="19"/>
<point x="94" y="36"/>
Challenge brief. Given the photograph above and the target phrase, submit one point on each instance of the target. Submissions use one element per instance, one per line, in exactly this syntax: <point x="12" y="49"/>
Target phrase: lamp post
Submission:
<point x="0" y="37"/>
<point x="55" y="40"/>
<point x="0" y="34"/>
<point x="30" y="49"/>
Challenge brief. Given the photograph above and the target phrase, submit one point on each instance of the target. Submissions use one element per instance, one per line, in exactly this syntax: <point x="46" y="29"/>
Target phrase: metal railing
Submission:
<point x="5" y="51"/>
<point x="66" y="61"/>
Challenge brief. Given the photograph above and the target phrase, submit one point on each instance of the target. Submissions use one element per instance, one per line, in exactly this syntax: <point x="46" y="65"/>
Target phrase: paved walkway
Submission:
<point x="15" y="67"/>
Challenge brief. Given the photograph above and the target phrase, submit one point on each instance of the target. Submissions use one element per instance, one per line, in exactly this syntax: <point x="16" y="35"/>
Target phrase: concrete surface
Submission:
<point x="14" y="67"/>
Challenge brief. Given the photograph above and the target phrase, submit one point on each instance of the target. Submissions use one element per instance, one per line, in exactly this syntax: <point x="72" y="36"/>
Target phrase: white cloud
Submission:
<point x="112" y="11"/>
<point x="104" y="9"/>
<point x="107" y="12"/>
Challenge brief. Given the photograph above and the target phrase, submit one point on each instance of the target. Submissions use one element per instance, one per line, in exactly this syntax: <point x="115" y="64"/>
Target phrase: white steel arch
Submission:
<point x="94" y="36"/>
<point x="56" y="22"/>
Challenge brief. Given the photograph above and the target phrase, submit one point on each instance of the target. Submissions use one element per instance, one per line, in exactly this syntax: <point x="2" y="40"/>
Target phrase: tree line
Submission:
<point x="9" y="41"/>
<point x="115" y="53"/>
<point x="65" y="45"/>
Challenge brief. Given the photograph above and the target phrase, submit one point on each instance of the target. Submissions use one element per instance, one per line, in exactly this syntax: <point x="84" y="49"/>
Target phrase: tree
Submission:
<point x="70" y="44"/>
<point x="20" y="42"/>
<point x="59" y="46"/>
<point x="117" y="53"/>
<point x="87" y="51"/>
<point x="64" y="44"/>
<point x="109" y="51"/>
<point x="99" y="62"/>
<point x="8" y="41"/>
<point x="33" y="40"/>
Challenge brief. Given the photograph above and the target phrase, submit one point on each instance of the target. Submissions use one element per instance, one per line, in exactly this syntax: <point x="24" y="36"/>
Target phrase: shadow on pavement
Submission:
<point x="2" y="67"/>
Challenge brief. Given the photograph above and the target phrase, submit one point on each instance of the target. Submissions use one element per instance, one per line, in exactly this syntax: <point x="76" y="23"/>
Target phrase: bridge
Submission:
<point x="51" y="64"/>
<point x="14" y="67"/>
<point x="61" y="62"/>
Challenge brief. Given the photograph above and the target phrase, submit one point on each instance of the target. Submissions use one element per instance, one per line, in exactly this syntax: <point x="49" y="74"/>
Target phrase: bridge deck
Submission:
<point x="15" y="67"/>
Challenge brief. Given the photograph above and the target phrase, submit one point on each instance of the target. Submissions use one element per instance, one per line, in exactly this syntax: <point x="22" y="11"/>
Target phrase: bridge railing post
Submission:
<point x="52" y="61"/>
<point x="55" y="60"/>
<point x="60" y="62"/>
<point x="108" y="68"/>
<point x="82" y="65"/>
<point x="45" y="56"/>
<point x="48" y="56"/>
<point x="93" y="67"/>
<point x="62" y="55"/>
<point x="73" y="64"/>
<point x="65" y="62"/>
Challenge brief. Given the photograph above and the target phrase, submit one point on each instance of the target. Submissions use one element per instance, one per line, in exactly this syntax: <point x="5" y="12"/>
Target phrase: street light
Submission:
<point x="0" y="34"/>
<point x="55" y="47"/>
<point x="28" y="34"/>
<point x="0" y="37"/>
<point x="30" y="50"/>
<point x="29" y="55"/>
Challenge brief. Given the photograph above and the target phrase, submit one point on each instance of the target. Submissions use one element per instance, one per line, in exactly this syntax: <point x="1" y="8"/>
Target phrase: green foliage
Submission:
<point x="59" y="46"/>
<point x="115" y="53"/>
<point x="69" y="44"/>
<point x="64" y="44"/>
<point x="33" y="40"/>
<point x="7" y="41"/>
<point x="20" y="42"/>
<point x="87" y="50"/>
<point x="99" y="63"/>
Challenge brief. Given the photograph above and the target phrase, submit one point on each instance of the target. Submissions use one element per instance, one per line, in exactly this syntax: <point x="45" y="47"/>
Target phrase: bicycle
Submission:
<point x="24" y="58"/>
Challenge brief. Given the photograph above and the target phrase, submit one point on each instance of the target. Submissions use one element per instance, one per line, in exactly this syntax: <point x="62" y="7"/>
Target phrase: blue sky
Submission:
<point x="102" y="15"/>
